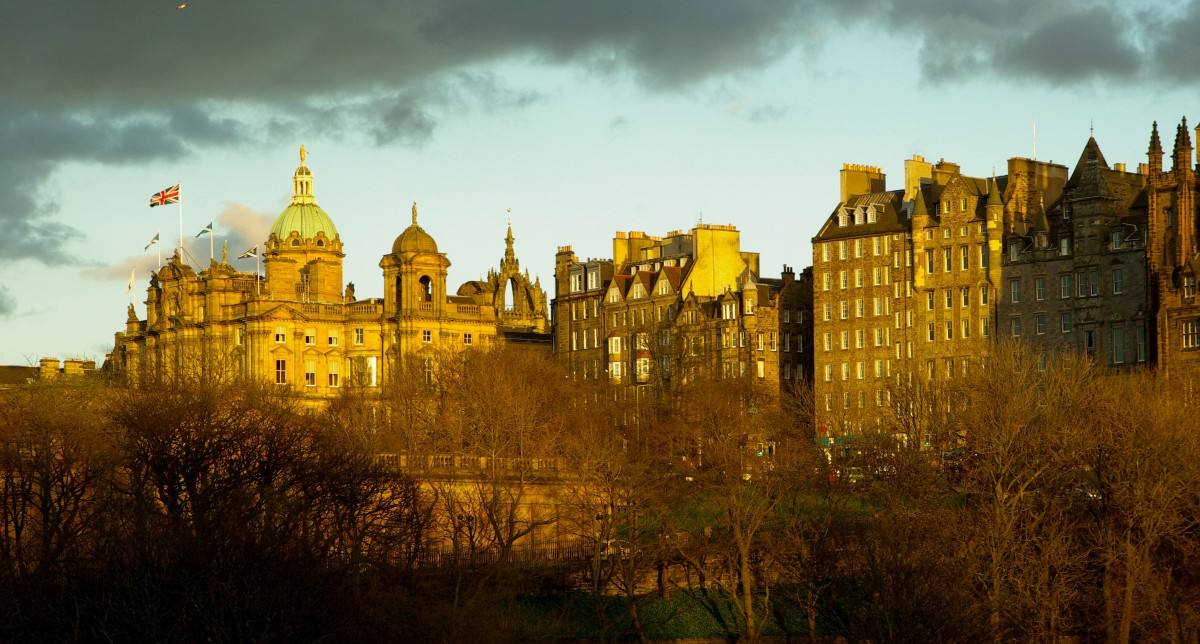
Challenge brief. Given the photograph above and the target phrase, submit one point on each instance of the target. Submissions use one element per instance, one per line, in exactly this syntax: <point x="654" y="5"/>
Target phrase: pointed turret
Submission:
<point x="994" y="198"/>
<point x="1181" y="158"/>
<point x="1155" y="153"/>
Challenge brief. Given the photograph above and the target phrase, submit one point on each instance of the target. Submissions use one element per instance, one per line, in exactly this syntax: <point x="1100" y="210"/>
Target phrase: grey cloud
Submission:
<point x="767" y="113"/>
<point x="239" y="225"/>
<point x="8" y="304"/>
<point x="129" y="81"/>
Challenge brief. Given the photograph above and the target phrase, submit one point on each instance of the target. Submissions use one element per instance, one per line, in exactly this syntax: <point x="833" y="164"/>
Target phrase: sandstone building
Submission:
<point x="664" y="310"/>
<point x="301" y="327"/>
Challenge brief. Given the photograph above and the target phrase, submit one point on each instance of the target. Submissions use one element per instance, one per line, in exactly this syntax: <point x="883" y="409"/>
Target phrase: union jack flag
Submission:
<point x="170" y="195"/>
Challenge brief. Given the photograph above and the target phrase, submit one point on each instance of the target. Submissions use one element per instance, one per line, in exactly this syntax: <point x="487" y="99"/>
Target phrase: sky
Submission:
<point x="583" y="118"/>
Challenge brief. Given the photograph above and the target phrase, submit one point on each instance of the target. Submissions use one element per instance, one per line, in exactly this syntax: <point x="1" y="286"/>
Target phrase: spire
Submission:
<point x="302" y="181"/>
<point x="510" y="256"/>
<point x="994" y="194"/>
<point x="1155" y="153"/>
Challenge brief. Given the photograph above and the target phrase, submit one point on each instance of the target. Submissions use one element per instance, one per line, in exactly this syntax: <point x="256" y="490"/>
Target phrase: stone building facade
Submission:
<point x="1174" y="254"/>
<point x="1075" y="269"/>
<point x="668" y="309"/>
<point x="300" y="327"/>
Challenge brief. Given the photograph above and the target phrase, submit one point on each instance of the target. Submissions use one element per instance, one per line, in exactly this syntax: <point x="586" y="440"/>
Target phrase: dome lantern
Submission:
<point x="303" y="216"/>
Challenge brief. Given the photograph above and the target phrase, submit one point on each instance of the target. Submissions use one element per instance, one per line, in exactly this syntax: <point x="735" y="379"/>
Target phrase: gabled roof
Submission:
<point x="888" y="220"/>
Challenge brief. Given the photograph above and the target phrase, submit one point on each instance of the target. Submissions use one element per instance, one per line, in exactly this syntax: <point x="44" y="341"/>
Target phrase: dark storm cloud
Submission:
<point x="130" y="81"/>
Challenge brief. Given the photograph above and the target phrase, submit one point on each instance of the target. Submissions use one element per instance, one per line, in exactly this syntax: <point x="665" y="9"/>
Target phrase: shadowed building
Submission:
<point x="300" y="327"/>
<point x="666" y="310"/>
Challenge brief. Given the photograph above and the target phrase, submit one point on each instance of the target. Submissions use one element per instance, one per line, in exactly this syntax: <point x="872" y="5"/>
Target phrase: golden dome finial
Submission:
<point x="303" y="154"/>
<point x="414" y="213"/>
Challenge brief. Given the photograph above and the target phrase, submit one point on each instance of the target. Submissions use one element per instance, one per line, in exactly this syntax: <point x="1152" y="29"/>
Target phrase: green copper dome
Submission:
<point x="306" y="218"/>
<point x="303" y="215"/>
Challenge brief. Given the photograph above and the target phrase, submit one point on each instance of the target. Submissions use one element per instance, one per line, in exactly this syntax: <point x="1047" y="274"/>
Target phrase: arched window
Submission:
<point x="510" y="302"/>
<point x="399" y="289"/>
<point x="320" y="243"/>
<point x="295" y="242"/>
<point x="426" y="288"/>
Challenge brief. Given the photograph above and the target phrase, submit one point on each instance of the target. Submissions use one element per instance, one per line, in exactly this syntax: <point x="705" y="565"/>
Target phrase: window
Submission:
<point x="468" y="339"/>
<point x="358" y="336"/>
<point x="241" y="336"/>
<point x="983" y="256"/>
<point x="828" y="373"/>
<point x="858" y="278"/>
<point x="310" y="336"/>
<point x="983" y="295"/>
<point x="964" y="257"/>
<point x="1039" y="288"/>
<point x="760" y="341"/>
<point x="825" y="281"/>
<point x="1141" y="341"/>
<point x="1118" y="280"/>
<point x="966" y="328"/>
<point x="775" y="342"/>
<point x="1116" y="239"/>
<point x="842" y="249"/>
<point x="929" y="262"/>
<point x="280" y="335"/>
<point x="1065" y="321"/>
<point x="1089" y="341"/>
<point x="949" y="298"/>
<point x="310" y="373"/>
<point x="426" y="336"/>
<point x="1081" y="288"/>
<point x="1014" y="291"/>
<point x="949" y="330"/>
<point x="1015" y="327"/>
<point x="1039" y="321"/>
<point x="762" y="369"/>
<point x="946" y="259"/>
<point x="932" y="332"/>
<point x="828" y="342"/>
<point x="334" y="377"/>
<point x="859" y="370"/>
<point x="844" y="279"/>
<point x="985" y="327"/>
<point x="859" y="308"/>
<point x="1064" y="246"/>
<point x="281" y="372"/>
<point x="428" y="368"/>
<point x="1014" y="251"/>
<point x="614" y="345"/>
<point x="845" y="371"/>
<point x="1094" y="282"/>
<point x="845" y="309"/>
<point x="962" y="204"/>
<point x="858" y="338"/>
<point x="1118" y="345"/>
<point x="1064" y="286"/>
<point x="1189" y="286"/>
<point x="875" y="279"/>
<point x="825" y="252"/>
<point x="929" y="301"/>
<point x="1191" y="334"/>
<point x="875" y="240"/>
<point x="333" y="338"/>
<point x="858" y="248"/>
<point x="966" y="296"/>
<point x="825" y="313"/>
<point x="845" y="340"/>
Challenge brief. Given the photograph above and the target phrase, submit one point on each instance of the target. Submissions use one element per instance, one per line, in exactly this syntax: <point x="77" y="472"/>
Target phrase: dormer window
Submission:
<point x="295" y="242"/>
<point x="320" y="243"/>
<point x="871" y="215"/>
<point x="844" y="218"/>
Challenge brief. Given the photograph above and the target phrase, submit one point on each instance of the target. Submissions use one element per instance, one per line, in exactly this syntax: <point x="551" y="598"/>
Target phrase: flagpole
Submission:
<point x="158" y="246"/>
<point x="257" y="270"/>
<point x="181" y="223"/>
<point x="212" y="256"/>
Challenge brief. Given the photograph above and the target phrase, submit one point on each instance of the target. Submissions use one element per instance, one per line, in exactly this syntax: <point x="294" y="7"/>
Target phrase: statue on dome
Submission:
<point x="414" y="213"/>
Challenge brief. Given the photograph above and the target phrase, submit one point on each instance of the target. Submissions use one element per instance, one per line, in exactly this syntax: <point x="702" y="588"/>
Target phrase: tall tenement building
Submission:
<point x="907" y="280"/>
<point x="667" y="309"/>
<point x="299" y="327"/>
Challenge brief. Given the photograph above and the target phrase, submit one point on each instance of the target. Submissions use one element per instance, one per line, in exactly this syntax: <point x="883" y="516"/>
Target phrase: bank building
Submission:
<point x="298" y="325"/>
